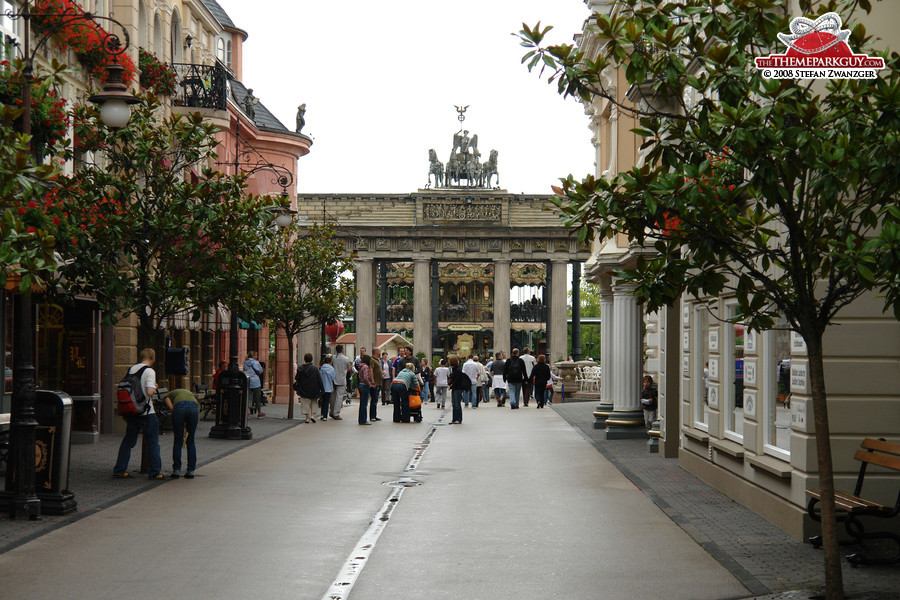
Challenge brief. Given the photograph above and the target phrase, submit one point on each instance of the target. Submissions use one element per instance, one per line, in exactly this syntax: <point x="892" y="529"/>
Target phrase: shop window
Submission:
<point x="732" y="377"/>
<point x="776" y="393"/>
<point x="700" y="344"/>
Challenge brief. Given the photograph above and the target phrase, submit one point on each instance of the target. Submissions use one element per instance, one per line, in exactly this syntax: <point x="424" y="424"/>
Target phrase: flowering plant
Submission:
<point x="84" y="37"/>
<point x="49" y="121"/>
<point x="155" y="75"/>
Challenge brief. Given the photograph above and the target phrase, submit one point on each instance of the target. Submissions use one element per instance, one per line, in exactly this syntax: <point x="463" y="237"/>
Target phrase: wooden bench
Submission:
<point x="850" y="507"/>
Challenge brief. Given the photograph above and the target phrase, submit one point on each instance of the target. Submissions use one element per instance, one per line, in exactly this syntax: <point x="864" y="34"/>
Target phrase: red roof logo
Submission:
<point x="818" y="50"/>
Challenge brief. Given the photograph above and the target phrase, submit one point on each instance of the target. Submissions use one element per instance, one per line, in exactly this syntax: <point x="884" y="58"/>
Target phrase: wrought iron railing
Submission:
<point x="466" y="313"/>
<point x="201" y="86"/>
<point x="527" y="312"/>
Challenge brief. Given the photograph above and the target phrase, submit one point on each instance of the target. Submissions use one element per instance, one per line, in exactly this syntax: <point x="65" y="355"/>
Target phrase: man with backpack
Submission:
<point x="514" y="375"/>
<point x="146" y="422"/>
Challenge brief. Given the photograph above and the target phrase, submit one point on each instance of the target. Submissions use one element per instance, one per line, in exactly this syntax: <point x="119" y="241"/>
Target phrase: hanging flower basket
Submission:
<point x="85" y="37"/>
<point x="49" y="121"/>
<point x="156" y="76"/>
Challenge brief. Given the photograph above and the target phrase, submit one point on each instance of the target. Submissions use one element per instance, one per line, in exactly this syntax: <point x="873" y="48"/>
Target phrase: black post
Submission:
<point x="435" y="304"/>
<point x="576" y="310"/>
<point x="384" y="294"/>
<point x="231" y="397"/>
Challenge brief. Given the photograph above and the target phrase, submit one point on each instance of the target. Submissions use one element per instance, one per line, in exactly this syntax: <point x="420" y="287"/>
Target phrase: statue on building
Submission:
<point x="301" y="117"/>
<point x="436" y="168"/>
<point x="490" y="170"/>
<point x="250" y="101"/>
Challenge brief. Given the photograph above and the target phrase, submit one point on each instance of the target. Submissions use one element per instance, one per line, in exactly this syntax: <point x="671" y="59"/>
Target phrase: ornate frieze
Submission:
<point x="447" y="211"/>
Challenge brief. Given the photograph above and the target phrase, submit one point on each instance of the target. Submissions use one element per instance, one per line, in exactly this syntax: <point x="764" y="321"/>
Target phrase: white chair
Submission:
<point x="591" y="379"/>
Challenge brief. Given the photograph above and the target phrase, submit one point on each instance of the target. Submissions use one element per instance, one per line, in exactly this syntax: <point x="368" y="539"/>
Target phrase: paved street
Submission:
<point x="528" y="504"/>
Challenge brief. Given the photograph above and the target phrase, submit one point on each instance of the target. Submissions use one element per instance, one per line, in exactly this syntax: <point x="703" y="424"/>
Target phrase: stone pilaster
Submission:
<point x="501" y="306"/>
<point x="607" y="356"/>
<point x="365" y="304"/>
<point x="422" y="306"/>
<point x="558" y="321"/>
<point x="627" y="418"/>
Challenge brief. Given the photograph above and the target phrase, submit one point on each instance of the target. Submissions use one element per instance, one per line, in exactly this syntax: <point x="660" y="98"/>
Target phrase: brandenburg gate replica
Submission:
<point x="458" y="267"/>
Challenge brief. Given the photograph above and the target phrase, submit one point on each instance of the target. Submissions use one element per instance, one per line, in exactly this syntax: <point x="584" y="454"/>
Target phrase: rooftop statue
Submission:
<point x="464" y="162"/>
<point x="249" y="102"/>
<point x="301" y="117"/>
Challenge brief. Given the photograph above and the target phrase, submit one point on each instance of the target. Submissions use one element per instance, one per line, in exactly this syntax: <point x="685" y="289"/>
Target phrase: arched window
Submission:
<point x="157" y="36"/>
<point x="175" y="39"/>
<point x="143" y="26"/>
<point x="228" y="54"/>
<point x="220" y="50"/>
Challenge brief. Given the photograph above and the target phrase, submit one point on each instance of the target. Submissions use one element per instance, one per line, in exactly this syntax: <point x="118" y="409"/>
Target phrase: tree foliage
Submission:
<point x="780" y="193"/>
<point x="156" y="230"/>
<point x="303" y="285"/>
<point x="30" y="218"/>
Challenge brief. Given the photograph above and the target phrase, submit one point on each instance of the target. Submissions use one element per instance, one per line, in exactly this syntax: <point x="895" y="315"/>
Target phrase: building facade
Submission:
<point x="735" y="405"/>
<point x="75" y="353"/>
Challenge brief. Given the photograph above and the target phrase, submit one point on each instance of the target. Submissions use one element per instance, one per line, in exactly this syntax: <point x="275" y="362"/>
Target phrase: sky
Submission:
<point x="381" y="81"/>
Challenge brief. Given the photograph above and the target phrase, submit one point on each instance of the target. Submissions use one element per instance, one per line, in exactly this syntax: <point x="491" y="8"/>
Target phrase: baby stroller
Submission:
<point x="415" y="404"/>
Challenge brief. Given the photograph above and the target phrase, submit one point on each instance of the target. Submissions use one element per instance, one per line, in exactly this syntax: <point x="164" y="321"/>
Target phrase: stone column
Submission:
<point x="576" y="311"/>
<point x="558" y="321"/>
<point x="501" y="306"/>
<point x="365" y="304"/>
<point x="607" y="358"/>
<point x="382" y="285"/>
<point x="422" y="306"/>
<point x="627" y="418"/>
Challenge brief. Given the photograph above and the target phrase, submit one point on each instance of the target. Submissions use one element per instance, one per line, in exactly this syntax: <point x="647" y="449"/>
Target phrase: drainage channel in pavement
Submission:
<point x="349" y="573"/>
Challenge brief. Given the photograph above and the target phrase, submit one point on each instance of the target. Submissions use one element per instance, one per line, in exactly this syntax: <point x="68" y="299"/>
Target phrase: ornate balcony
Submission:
<point x="201" y="86"/>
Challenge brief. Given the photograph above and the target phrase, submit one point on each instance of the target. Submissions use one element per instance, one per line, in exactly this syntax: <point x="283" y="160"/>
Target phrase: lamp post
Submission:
<point x="20" y="498"/>
<point x="231" y="404"/>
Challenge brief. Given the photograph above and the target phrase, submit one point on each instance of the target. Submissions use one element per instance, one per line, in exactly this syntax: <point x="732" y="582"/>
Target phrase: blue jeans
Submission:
<point x="456" y="399"/>
<point x="515" y="391"/>
<point x="184" y="414"/>
<point x="400" y="398"/>
<point x="149" y="424"/>
<point x="424" y="392"/>
<point x="364" y="403"/>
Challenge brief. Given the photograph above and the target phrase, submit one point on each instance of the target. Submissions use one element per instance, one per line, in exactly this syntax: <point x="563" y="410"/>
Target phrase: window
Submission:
<point x="228" y="54"/>
<point x="9" y="30"/>
<point x="700" y="376"/>
<point x="732" y="377"/>
<point x="220" y="50"/>
<point x="776" y="392"/>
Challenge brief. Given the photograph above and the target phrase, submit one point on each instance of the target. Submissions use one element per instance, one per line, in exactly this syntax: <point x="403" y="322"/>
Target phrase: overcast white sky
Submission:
<point x="380" y="80"/>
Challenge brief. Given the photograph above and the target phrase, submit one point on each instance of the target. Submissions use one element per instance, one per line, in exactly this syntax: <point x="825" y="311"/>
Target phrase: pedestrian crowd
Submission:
<point x="406" y="382"/>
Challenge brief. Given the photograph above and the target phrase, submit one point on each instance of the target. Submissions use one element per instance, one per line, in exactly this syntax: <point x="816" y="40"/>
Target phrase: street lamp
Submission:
<point x="20" y="498"/>
<point x="231" y="400"/>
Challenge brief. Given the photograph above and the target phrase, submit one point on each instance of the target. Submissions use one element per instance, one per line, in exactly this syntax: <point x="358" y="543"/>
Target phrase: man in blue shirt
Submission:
<point x="253" y="370"/>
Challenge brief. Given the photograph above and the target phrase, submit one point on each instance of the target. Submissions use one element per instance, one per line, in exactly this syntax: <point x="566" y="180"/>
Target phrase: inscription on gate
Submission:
<point x="438" y="211"/>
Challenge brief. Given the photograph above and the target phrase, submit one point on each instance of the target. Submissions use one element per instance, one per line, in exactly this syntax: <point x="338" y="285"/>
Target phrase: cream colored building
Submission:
<point x="735" y="406"/>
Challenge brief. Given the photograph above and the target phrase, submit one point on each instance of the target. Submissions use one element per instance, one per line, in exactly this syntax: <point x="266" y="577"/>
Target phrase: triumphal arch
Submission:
<point x="459" y="266"/>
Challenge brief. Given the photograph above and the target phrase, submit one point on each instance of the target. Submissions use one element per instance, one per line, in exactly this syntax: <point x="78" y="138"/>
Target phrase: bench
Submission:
<point x="850" y="507"/>
<point x="206" y="399"/>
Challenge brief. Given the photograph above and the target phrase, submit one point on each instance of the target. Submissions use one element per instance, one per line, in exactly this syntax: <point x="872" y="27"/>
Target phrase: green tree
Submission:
<point x="303" y="286"/>
<point x="811" y="221"/>
<point x="151" y="238"/>
<point x="590" y="307"/>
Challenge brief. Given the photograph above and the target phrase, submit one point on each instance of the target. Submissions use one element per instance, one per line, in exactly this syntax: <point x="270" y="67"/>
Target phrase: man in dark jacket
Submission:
<point x="308" y="385"/>
<point x="514" y="375"/>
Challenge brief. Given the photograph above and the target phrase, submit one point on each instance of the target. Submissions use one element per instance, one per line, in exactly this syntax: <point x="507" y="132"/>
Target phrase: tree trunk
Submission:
<point x="290" y="343"/>
<point x="834" y="584"/>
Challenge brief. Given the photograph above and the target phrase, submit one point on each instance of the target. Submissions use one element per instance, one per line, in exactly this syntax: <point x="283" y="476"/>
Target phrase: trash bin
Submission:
<point x="232" y="393"/>
<point x="86" y="419"/>
<point x="53" y="413"/>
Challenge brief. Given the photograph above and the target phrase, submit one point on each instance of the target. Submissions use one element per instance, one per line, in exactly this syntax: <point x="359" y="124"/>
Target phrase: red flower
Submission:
<point x="30" y="230"/>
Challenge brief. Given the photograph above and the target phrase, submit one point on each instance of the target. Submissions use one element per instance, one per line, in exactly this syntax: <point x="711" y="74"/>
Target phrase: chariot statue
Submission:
<point x="464" y="164"/>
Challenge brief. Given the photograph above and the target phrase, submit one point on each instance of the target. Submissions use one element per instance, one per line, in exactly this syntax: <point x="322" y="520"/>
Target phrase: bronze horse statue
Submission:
<point x="436" y="168"/>
<point x="490" y="169"/>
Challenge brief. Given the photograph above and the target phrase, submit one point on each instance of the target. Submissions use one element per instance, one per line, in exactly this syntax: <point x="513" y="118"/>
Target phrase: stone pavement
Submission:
<point x="767" y="562"/>
<point x="90" y="473"/>
<point x="771" y="564"/>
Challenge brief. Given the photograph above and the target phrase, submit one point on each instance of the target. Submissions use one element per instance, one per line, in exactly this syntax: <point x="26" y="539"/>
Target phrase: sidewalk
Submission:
<point x="771" y="564"/>
<point x="328" y="470"/>
<point x="90" y="473"/>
